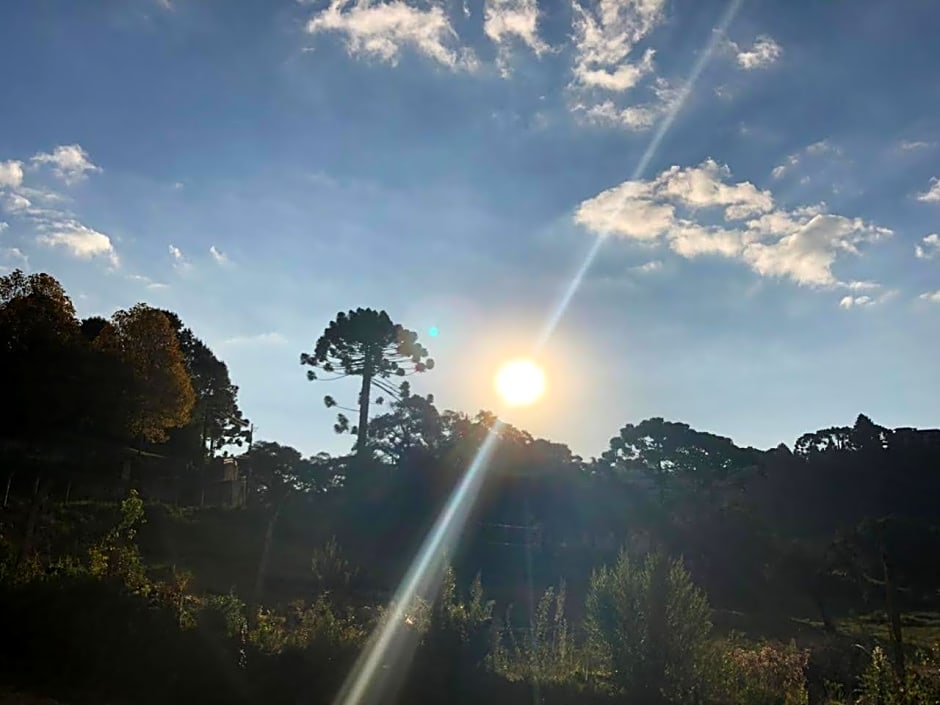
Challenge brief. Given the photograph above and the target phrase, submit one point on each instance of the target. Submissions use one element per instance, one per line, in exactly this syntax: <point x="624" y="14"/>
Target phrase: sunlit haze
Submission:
<point x="520" y="382"/>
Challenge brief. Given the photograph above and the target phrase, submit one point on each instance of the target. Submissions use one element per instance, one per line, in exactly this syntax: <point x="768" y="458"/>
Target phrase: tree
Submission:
<point x="277" y="473"/>
<point x="413" y="423"/>
<point x="39" y="342"/>
<point x="161" y="397"/>
<point x="365" y="343"/>
<point x="649" y="624"/>
<point x="216" y="419"/>
<point x="668" y="453"/>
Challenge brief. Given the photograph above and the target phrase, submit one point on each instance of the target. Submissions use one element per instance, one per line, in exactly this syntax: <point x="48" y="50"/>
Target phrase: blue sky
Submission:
<point x="258" y="166"/>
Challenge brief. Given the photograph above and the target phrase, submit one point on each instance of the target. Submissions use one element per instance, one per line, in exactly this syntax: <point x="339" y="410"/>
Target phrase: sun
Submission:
<point x="520" y="382"/>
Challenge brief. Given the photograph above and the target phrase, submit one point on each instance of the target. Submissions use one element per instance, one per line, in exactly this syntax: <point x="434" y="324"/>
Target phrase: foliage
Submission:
<point x="880" y="684"/>
<point x="761" y="674"/>
<point x="332" y="571"/>
<point x="365" y="343"/>
<point x="546" y="651"/>
<point x="162" y="397"/>
<point x="216" y="418"/>
<point x="647" y="625"/>
<point x="116" y="555"/>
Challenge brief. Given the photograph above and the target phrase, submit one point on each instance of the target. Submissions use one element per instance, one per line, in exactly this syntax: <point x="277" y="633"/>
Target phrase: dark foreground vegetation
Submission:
<point x="675" y="568"/>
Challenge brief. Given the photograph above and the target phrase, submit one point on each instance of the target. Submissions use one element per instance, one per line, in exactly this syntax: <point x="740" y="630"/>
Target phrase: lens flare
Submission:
<point x="386" y="653"/>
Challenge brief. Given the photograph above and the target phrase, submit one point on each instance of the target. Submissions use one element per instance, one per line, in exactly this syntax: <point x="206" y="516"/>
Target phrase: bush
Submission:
<point x="879" y="684"/>
<point x="546" y="652"/>
<point x="765" y="674"/>
<point x="647" y="629"/>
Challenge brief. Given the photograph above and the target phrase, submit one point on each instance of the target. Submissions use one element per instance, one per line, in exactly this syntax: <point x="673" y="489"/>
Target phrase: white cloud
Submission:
<point x="147" y="282"/>
<point x="929" y="247"/>
<point x="848" y="302"/>
<point x="11" y="173"/>
<point x="15" y="254"/>
<point x="69" y="162"/>
<point x="764" y="52"/>
<point x="801" y="244"/>
<point x="180" y="263"/>
<point x="932" y="194"/>
<point x="627" y="210"/>
<point x="792" y="160"/>
<point x="915" y="145"/>
<point x="3" y="225"/>
<point x="16" y="203"/>
<point x="258" y="339"/>
<point x="807" y="254"/>
<point x="505" y="21"/>
<point x="81" y="241"/>
<point x="823" y="147"/>
<point x="604" y="41"/>
<point x="704" y="187"/>
<point x="219" y="256"/>
<point x="649" y="267"/>
<point x="862" y="286"/>
<point x="637" y="117"/>
<point x="931" y="296"/>
<point x="382" y="30"/>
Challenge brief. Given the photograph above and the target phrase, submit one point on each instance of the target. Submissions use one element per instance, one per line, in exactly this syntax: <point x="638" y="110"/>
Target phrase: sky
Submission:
<point x="763" y="238"/>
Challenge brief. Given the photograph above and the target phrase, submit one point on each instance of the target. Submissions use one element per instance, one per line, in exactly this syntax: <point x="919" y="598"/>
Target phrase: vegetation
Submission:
<point x="676" y="568"/>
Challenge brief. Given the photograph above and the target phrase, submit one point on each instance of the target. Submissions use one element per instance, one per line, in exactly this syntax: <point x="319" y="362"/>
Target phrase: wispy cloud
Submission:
<point x="147" y="282"/>
<point x="383" y="30"/>
<point x="931" y="297"/>
<point x="866" y="300"/>
<point x="15" y="255"/>
<point x="816" y="149"/>
<point x="696" y="211"/>
<point x="219" y="256"/>
<point x="932" y="194"/>
<point x="763" y="53"/>
<point x="915" y="145"/>
<point x="649" y="267"/>
<point x="605" y="39"/>
<point x="69" y="162"/>
<point x="509" y="22"/>
<point x="929" y="247"/>
<point x="180" y="263"/>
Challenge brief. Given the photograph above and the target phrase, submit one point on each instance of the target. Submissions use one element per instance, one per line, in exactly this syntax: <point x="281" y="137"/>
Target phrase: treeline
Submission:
<point x="140" y="378"/>
<point x="831" y="543"/>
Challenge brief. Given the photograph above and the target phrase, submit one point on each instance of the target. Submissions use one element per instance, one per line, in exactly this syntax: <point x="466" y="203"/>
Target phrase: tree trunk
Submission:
<point x="365" y="393"/>
<point x="894" y="612"/>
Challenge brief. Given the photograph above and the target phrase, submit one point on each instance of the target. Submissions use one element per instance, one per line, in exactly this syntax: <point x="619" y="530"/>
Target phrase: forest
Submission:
<point x="676" y="567"/>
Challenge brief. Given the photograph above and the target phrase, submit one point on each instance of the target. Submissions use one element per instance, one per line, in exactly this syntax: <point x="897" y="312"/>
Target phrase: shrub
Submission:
<point x="763" y="674"/>
<point x="879" y="684"/>
<point x="647" y="628"/>
<point x="546" y="652"/>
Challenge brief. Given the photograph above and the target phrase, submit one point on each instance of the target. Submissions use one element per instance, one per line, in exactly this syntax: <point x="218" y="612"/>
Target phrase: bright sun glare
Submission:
<point x="520" y="382"/>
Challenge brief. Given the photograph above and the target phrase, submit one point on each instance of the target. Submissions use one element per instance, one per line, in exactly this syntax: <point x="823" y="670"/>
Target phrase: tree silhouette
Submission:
<point x="216" y="418"/>
<point x="365" y="343"/>
<point x="277" y="473"/>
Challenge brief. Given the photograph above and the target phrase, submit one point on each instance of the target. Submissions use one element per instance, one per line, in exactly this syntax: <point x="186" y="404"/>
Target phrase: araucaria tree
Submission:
<point x="365" y="343"/>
